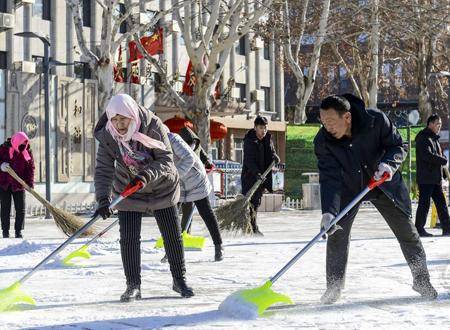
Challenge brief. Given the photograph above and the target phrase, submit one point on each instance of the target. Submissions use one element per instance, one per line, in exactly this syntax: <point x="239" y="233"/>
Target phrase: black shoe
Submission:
<point x="425" y="289"/>
<point x="425" y="234"/>
<point x="258" y="233"/>
<point x="180" y="286"/>
<point x="133" y="292"/>
<point x="19" y="234"/>
<point x="446" y="232"/>
<point x="218" y="256"/>
<point x="5" y="234"/>
<point x="331" y="295"/>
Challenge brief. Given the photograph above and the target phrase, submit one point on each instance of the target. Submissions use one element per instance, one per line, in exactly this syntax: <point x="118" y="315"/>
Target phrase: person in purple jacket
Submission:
<point x="15" y="151"/>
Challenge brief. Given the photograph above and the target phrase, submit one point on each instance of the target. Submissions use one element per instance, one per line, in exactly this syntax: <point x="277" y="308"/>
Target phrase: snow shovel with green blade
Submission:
<point x="83" y="252"/>
<point x="189" y="241"/>
<point x="251" y="303"/>
<point x="13" y="294"/>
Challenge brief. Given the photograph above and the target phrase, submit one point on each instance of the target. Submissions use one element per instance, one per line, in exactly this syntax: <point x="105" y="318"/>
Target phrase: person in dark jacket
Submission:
<point x="17" y="153"/>
<point x="259" y="153"/>
<point x="193" y="141"/>
<point x="354" y="145"/>
<point x="133" y="146"/>
<point x="430" y="164"/>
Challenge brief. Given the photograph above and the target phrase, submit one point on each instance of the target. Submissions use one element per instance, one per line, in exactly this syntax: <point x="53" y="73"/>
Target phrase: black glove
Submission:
<point x="103" y="209"/>
<point x="276" y="159"/>
<point x="137" y="178"/>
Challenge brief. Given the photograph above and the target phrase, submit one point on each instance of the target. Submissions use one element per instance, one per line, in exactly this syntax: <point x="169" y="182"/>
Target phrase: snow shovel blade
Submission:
<point x="193" y="242"/>
<point x="13" y="295"/>
<point x="251" y="303"/>
<point x="189" y="242"/>
<point x="82" y="252"/>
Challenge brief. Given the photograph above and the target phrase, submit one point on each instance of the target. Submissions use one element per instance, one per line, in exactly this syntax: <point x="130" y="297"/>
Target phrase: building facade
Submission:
<point x="253" y="68"/>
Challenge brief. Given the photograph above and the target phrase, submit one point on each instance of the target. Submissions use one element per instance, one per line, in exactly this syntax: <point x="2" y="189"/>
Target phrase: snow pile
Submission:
<point x="235" y="306"/>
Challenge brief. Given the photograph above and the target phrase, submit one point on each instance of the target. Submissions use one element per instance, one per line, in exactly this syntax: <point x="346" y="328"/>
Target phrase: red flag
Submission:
<point x="118" y="71"/>
<point x="134" y="76"/>
<point x="152" y="44"/>
<point x="189" y="81"/>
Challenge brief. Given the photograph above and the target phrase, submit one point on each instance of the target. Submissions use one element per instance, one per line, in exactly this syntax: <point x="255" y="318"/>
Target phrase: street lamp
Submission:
<point x="46" y="43"/>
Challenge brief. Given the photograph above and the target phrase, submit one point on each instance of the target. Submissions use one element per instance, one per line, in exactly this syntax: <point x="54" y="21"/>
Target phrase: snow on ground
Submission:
<point x="378" y="293"/>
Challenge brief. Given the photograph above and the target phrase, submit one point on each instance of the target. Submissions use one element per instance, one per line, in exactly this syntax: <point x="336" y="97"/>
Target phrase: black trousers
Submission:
<point x="255" y="202"/>
<point x="130" y="242"/>
<point x="206" y="212"/>
<point x="434" y="191"/>
<point x="19" y="205"/>
<point x="401" y="225"/>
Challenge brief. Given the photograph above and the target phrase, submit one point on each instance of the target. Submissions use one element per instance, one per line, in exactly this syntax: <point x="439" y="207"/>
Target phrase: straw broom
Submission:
<point x="235" y="216"/>
<point x="65" y="221"/>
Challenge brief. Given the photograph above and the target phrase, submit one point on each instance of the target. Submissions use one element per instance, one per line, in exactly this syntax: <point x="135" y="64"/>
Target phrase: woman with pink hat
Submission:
<point x="15" y="151"/>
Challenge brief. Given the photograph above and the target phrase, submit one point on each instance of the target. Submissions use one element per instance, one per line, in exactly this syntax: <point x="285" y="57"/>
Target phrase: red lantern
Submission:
<point x="176" y="123"/>
<point x="218" y="130"/>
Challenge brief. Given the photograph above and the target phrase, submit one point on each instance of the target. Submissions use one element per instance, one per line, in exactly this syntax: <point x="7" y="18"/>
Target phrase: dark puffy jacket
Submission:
<point x="23" y="168"/>
<point x="190" y="137"/>
<point x="346" y="165"/>
<point x="429" y="159"/>
<point x="258" y="155"/>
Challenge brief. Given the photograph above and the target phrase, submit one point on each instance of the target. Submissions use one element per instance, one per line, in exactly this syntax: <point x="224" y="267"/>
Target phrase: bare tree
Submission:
<point x="101" y="62"/>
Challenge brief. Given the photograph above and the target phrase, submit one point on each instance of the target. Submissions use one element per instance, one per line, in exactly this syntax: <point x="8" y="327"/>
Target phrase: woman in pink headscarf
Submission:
<point x="15" y="151"/>
<point x="133" y="146"/>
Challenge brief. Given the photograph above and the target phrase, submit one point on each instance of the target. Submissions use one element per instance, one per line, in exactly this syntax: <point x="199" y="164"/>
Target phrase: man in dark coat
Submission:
<point x="430" y="171"/>
<point x="354" y="145"/>
<point x="259" y="153"/>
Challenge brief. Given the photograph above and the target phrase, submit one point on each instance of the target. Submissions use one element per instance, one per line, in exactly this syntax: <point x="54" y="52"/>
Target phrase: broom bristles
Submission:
<point x="235" y="216"/>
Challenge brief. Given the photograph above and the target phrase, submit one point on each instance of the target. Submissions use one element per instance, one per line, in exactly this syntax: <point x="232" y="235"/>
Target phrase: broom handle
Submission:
<point x="128" y="191"/>
<point x="191" y="216"/>
<point x="11" y="172"/>
<point x="372" y="184"/>
<point x="258" y="182"/>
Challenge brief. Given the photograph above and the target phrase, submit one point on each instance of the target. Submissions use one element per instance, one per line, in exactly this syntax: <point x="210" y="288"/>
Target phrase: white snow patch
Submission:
<point x="235" y="306"/>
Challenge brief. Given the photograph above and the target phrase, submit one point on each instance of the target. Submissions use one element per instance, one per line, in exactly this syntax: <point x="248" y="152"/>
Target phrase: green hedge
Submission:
<point x="300" y="157"/>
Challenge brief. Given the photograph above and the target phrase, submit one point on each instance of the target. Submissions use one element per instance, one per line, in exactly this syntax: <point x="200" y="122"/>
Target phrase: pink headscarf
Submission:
<point x="123" y="104"/>
<point x="16" y="140"/>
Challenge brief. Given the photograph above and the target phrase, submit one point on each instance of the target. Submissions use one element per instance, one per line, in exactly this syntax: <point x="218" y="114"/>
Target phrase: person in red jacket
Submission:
<point x="15" y="151"/>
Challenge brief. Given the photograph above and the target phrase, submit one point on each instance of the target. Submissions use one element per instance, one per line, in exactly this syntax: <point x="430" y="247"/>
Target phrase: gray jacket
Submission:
<point x="112" y="175"/>
<point x="194" y="183"/>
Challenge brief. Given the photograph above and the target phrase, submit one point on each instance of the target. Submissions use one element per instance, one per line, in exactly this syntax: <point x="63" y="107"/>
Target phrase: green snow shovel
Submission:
<point x="251" y="303"/>
<point x="189" y="241"/>
<point x="13" y="294"/>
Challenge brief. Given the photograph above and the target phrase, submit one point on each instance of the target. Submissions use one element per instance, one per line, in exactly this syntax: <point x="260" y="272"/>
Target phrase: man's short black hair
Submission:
<point x="336" y="102"/>
<point x="433" y="118"/>
<point x="261" y="120"/>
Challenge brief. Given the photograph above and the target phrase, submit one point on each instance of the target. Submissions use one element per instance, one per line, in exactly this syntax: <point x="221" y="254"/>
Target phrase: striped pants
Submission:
<point x="130" y="242"/>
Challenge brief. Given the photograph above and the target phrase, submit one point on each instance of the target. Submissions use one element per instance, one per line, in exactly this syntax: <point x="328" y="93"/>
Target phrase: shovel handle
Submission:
<point x="375" y="183"/>
<point x="130" y="189"/>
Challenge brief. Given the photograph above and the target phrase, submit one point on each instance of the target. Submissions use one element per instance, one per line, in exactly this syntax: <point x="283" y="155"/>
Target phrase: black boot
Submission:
<point x="6" y="234"/>
<point x="425" y="288"/>
<point x="19" y="234"/>
<point x="218" y="256"/>
<point x="133" y="292"/>
<point x="180" y="286"/>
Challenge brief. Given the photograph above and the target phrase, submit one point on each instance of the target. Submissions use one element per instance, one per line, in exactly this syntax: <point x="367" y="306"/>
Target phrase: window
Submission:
<point x="86" y="13"/>
<point x="42" y="9"/>
<point x="266" y="50"/>
<point x="82" y="70"/>
<point x="240" y="49"/>
<point x="344" y="83"/>
<point x="158" y="82"/>
<point x="266" y="98"/>
<point x="214" y="150"/>
<point x="123" y="26"/>
<point x="242" y="92"/>
<point x="181" y="41"/>
<point x="3" y="8"/>
<point x="3" y="60"/>
<point x="239" y="150"/>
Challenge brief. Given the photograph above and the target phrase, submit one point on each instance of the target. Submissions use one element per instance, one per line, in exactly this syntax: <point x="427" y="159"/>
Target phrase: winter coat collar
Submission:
<point x="251" y="135"/>
<point x="429" y="133"/>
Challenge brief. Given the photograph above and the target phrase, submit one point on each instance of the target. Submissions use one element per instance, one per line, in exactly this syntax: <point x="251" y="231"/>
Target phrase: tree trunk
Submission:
<point x="105" y="73"/>
<point x="299" y="114"/>
<point x="422" y="79"/>
<point x="200" y="110"/>
<point x="374" y="49"/>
